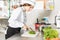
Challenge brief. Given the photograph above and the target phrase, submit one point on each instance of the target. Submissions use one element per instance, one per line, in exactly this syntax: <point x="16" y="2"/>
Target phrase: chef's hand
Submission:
<point x="25" y="27"/>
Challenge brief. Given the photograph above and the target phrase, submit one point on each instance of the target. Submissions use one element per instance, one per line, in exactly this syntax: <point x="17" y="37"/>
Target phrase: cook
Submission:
<point x="18" y="17"/>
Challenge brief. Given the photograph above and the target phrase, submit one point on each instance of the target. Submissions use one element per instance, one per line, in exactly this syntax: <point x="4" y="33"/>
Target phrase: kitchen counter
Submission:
<point x="3" y="20"/>
<point x="38" y="37"/>
<point x="3" y="23"/>
<point x="2" y="36"/>
<point x="18" y="37"/>
<point x="3" y="17"/>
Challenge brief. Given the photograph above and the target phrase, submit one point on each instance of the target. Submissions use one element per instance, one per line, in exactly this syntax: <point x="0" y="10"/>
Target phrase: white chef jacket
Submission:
<point x="15" y="16"/>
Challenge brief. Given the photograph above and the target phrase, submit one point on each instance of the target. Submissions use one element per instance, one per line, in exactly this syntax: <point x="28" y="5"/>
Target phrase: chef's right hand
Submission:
<point x="25" y="27"/>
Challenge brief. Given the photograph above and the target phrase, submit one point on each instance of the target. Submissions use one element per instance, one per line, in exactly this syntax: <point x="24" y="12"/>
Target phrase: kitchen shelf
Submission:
<point x="48" y="4"/>
<point x="4" y="4"/>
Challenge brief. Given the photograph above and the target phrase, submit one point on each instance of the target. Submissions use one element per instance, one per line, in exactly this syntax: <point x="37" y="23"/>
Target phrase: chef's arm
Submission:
<point x="25" y="27"/>
<point x="17" y="23"/>
<point x="21" y="24"/>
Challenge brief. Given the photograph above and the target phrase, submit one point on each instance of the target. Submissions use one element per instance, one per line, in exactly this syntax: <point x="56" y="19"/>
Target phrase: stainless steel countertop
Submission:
<point x="38" y="37"/>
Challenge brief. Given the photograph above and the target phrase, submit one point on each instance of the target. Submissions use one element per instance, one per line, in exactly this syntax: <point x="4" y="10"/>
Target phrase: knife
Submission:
<point x="30" y="29"/>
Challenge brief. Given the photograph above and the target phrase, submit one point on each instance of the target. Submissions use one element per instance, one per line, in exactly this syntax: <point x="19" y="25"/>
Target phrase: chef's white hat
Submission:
<point x="27" y="1"/>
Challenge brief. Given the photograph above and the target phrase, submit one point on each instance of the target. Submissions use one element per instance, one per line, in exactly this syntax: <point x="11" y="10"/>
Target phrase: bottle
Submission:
<point x="37" y="25"/>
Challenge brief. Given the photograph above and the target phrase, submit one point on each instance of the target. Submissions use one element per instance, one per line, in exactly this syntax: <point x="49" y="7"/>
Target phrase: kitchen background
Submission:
<point x="41" y="10"/>
<point x="36" y="13"/>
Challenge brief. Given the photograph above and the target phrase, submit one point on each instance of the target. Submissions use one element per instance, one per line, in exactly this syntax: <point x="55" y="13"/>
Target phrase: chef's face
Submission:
<point x="28" y="7"/>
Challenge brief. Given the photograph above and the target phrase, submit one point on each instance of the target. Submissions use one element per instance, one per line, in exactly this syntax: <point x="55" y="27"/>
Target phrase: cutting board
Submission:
<point x="26" y="34"/>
